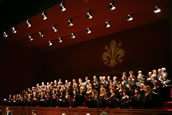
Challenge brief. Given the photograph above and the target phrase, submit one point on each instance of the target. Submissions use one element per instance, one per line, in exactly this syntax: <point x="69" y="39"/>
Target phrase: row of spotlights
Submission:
<point x="60" y="40"/>
<point x="44" y="15"/>
<point x="89" y="16"/>
<point x="54" y="28"/>
<point x="62" y="8"/>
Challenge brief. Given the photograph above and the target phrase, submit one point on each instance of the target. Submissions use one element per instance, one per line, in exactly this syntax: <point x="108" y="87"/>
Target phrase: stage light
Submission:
<point x="70" y="22"/>
<point x="88" y="30"/>
<point x="54" y="28"/>
<point x="73" y="35"/>
<point x="107" y="25"/>
<point x="157" y="9"/>
<point x="112" y="6"/>
<point x="30" y="38"/>
<point x="87" y="113"/>
<point x="41" y="34"/>
<point x="62" y="7"/>
<point x="50" y="43"/>
<point x="14" y="30"/>
<point x="89" y="16"/>
<point x="60" y="40"/>
<point x="28" y="22"/>
<point x="129" y="17"/>
<point x="44" y="15"/>
<point x="5" y="34"/>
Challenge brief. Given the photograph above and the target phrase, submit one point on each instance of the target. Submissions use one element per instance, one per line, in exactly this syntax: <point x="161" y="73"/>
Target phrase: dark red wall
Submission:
<point x="145" y="48"/>
<point x="19" y="67"/>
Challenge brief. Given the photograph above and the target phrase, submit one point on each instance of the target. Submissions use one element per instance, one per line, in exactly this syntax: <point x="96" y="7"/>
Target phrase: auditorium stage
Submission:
<point x="85" y="111"/>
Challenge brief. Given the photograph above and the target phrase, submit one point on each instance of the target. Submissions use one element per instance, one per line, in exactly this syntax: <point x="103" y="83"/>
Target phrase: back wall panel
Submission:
<point x="145" y="48"/>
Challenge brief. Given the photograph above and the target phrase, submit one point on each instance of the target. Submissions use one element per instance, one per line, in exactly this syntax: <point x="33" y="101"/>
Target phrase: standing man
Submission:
<point x="8" y="111"/>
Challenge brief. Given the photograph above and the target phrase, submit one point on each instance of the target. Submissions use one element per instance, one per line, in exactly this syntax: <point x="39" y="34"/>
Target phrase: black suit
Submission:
<point x="8" y="113"/>
<point x="0" y="112"/>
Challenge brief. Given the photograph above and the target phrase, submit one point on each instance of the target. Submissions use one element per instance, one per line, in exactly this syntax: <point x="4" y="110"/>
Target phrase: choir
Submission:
<point x="143" y="91"/>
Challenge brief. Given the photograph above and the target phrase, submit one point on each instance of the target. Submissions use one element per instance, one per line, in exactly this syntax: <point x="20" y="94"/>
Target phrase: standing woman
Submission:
<point x="112" y="100"/>
<point x="94" y="99"/>
<point x="102" y="96"/>
<point x="67" y="99"/>
<point x="147" y="98"/>
<point x="88" y="96"/>
<point x="125" y="100"/>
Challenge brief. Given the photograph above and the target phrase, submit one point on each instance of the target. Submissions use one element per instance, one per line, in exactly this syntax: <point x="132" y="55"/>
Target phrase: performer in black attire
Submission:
<point x="136" y="99"/>
<point x="102" y="97"/>
<point x="112" y="100"/>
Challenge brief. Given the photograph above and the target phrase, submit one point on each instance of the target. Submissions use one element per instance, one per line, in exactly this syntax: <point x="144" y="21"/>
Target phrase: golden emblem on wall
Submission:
<point x="113" y="54"/>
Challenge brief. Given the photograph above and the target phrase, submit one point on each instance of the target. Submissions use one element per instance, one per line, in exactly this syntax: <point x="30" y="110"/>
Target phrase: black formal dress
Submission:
<point x="112" y="101"/>
<point x="102" y="101"/>
<point x="136" y="101"/>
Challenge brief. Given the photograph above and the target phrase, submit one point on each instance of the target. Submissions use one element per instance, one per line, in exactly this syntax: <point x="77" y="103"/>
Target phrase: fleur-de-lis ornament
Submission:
<point x="113" y="54"/>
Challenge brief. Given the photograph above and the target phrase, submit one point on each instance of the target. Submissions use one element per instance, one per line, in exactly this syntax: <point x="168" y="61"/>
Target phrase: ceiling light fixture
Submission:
<point x="89" y="16"/>
<point x="28" y="22"/>
<point x="60" y="40"/>
<point x="62" y="7"/>
<point x="73" y="35"/>
<point x="14" y="30"/>
<point x="5" y="34"/>
<point x="157" y="9"/>
<point x="88" y="30"/>
<point x="129" y="17"/>
<point x="44" y="15"/>
<point x="54" y="28"/>
<point x="41" y="34"/>
<point x="70" y="22"/>
<point x="50" y="43"/>
<point x="30" y="38"/>
<point x="107" y="25"/>
<point x="112" y="6"/>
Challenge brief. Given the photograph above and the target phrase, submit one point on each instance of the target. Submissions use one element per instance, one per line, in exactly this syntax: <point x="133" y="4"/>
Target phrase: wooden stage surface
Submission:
<point x="84" y="111"/>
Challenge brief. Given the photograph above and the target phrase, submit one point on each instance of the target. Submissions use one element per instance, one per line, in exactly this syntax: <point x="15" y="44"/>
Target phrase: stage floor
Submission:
<point x="84" y="111"/>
